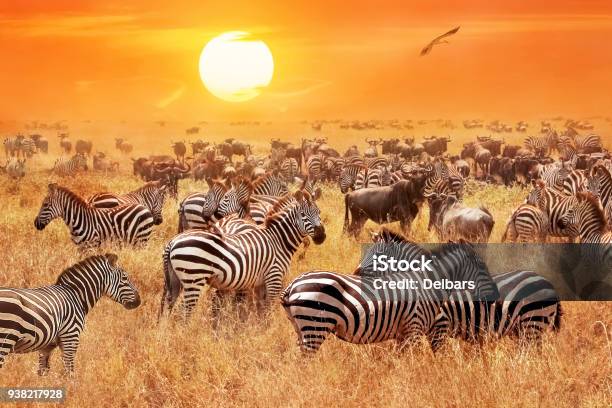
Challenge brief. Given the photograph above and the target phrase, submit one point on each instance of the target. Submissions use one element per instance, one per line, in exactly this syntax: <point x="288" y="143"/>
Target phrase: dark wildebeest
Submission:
<point x="180" y="150"/>
<point x="502" y="170"/>
<point x="435" y="145"/>
<point x="123" y="146"/>
<point x="241" y="148"/>
<point x="511" y="151"/>
<point x="453" y="221"/>
<point x="523" y="169"/>
<point x="83" y="147"/>
<point x="198" y="147"/>
<point x="65" y="143"/>
<point x="461" y="165"/>
<point x="170" y="174"/>
<point x="389" y="146"/>
<point x="492" y="145"/>
<point x="397" y="202"/>
<point x="371" y="151"/>
<point x="481" y="157"/>
<point x="41" y="143"/>
<point x="225" y="149"/>
<point x="351" y="151"/>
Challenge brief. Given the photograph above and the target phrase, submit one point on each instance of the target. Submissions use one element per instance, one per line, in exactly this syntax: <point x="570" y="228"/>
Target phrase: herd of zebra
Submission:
<point x="240" y="235"/>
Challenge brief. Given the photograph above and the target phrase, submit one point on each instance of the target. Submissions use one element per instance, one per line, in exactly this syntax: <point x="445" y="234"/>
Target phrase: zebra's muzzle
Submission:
<point x="157" y="220"/>
<point x="39" y="224"/>
<point x="319" y="235"/>
<point x="133" y="304"/>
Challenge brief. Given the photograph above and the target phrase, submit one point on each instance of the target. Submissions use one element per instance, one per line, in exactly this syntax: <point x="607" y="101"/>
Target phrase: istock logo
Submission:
<point x="384" y="263"/>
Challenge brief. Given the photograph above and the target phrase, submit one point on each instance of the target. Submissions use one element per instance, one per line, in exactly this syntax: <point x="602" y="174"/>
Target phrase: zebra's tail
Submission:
<point x="558" y="316"/>
<point x="509" y="226"/>
<point x="172" y="284"/>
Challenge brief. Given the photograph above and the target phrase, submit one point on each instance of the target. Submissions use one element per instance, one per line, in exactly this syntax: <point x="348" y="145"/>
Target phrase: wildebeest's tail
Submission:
<point x="346" y="213"/>
<point x="510" y="228"/>
<point x="182" y="220"/>
<point x="488" y="224"/>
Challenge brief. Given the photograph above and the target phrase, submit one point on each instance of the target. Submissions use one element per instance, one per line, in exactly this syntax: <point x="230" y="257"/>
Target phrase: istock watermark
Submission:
<point x="384" y="263"/>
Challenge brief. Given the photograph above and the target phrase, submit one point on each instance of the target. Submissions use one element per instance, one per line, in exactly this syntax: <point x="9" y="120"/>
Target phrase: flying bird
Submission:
<point x="438" y="40"/>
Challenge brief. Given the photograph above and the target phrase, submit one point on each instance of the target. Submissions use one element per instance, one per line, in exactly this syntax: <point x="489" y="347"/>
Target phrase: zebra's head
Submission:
<point x="347" y="178"/>
<point x="51" y="208"/>
<point x="80" y="161"/>
<point x="213" y="199"/>
<point x="155" y="198"/>
<point x="118" y="286"/>
<point x="310" y="215"/>
<point x="587" y="214"/>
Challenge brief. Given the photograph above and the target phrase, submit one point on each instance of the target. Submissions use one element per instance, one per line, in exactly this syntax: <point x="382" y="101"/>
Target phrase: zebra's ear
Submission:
<point x="52" y="187"/>
<point x="299" y="195"/>
<point x="112" y="259"/>
<point x="317" y="194"/>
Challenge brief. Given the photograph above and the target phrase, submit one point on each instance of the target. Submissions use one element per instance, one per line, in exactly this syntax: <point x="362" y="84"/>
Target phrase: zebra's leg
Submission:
<point x="269" y="291"/>
<point x="43" y="359"/>
<point x="438" y="335"/>
<point x="191" y="297"/>
<point x="69" y="344"/>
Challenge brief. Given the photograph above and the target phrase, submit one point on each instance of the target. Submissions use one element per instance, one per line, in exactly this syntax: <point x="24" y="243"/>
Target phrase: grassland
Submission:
<point x="127" y="359"/>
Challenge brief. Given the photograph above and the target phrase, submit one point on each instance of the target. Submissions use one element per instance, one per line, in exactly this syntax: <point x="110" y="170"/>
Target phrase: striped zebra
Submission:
<point x="354" y="161"/>
<point x="152" y="195"/>
<point x="443" y="179"/>
<point x="360" y="310"/>
<point x="289" y="169"/>
<point x="270" y="184"/>
<point x="197" y="208"/>
<point x="348" y="177"/>
<point x="600" y="184"/>
<point x="27" y="147"/>
<point x="11" y="146"/>
<point x="527" y="224"/>
<point x="44" y="318"/>
<point x="587" y="217"/>
<point x="527" y="307"/>
<point x="554" y="205"/>
<point x="376" y="177"/>
<point x="553" y="175"/>
<point x="315" y="165"/>
<point x="376" y="162"/>
<point x="70" y="167"/>
<point x="256" y="259"/>
<point x="590" y="143"/>
<point x="575" y="182"/>
<point x="90" y="226"/>
<point x="541" y="146"/>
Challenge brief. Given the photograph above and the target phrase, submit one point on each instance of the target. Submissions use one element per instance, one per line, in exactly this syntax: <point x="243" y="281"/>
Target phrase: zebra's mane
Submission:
<point x="387" y="236"/>
<point x="72" y="195"/>
<point x="264" y="179"/>
<point x="283" y="205"/>
<point x="595" y="207"/>
<point x="220" y="184"/>
<point x="151" y="184"/>
<point x="81" y="267"/>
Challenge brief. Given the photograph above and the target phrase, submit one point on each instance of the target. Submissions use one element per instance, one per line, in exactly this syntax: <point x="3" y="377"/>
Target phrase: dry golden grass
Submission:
<point x="127" y="359"/>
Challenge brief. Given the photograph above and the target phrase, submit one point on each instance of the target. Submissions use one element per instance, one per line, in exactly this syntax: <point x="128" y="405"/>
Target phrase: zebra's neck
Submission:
<point x="284" y="227"/>
<point x="86" y="288"/>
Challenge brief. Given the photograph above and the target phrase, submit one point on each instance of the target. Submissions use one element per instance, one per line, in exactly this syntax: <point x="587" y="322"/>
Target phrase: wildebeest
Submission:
<point x="453" y="221"/>
<point x="502" y="169"/>
<point x="180" y="150"/>
<point x="435" y="145"/>
<point x="511" y="151"/>
<point x="492" y="145"/>
<point x="398" y="202"/>
<point x="65" y="143"/>
<point x="198" y="147"/>
<point x="83" y="147"/>
<point x="371" y="151"/>
<point x="480" y="155"/>
<point x="461" y="165"/>
<point x="102" y="163"/>
<point x="123" y="146"/>
<point x="42" y="144"/>
<point x="353" y="151"/>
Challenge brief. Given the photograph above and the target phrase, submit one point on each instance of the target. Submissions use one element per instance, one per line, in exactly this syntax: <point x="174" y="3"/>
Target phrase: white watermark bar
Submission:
<point x="32" y="394"/>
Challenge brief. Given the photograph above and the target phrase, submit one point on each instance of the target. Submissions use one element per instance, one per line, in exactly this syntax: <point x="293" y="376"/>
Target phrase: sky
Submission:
<point x="128" y="60"/>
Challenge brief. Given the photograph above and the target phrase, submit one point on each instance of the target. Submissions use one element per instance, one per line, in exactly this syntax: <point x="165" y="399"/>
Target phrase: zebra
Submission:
<point x="554" y="175"/>
<point x="528" y="306"/>
<point x="348" y="177"/>
<point x="195" y="209"/>
<point x="27" y="147"/>
<point x="270" y="184"/>
<point x="554" y="205"/>
<point x="289" y="169"/>
<point x="600" y="184"/>
<point x="255" y="259"/>
<point x="11" y="146"/>
<point x="90" y="226"/>
<point x="70" y="167"/>
<point x="587" y="217"/>
<point x="357" y="309"/>
<point x="315" y="166"/>
<point x="541" y="146"/>
<point x="152" y="195"/>
<point x="590" y="143"/>
<point x="575" y="182"/>
<point x="368" y="178"/>
<point x="44" y="318"/>
<point x="376" y="162"/>
<point x="527" y="224"/>
<point x="443" y="179"/>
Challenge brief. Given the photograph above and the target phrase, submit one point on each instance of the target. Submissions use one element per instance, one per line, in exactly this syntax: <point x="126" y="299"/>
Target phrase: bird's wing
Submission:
<point x="426" y="50"/>
<point x="447" y="34"/>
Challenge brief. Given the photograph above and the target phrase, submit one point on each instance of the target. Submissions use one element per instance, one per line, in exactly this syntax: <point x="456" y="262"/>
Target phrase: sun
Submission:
<point x="235" y="67"/>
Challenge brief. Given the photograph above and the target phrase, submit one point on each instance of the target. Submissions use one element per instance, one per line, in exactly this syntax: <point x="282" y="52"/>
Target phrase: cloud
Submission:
<point x="171" y="98"/>
<point x="297" y="87"/>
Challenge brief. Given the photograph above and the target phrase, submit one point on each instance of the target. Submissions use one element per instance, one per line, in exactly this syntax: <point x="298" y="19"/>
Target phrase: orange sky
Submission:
<point x="109" y="60"/>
